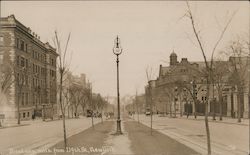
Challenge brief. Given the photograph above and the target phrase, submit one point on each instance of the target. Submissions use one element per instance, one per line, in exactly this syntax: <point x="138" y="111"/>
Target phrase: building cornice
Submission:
<point x="12" y="22"/>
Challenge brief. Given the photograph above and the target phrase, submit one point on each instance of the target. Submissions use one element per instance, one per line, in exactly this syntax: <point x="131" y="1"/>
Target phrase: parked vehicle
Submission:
<point x="147" y="113"/>
<point x="89" y="113"/>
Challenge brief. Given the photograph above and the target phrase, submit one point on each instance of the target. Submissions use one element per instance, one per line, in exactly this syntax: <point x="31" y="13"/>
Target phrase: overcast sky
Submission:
<point x="149" y="32"/>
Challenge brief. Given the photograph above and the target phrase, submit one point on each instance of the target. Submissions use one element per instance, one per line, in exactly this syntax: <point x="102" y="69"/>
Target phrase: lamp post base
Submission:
<point x="119" y="131"/>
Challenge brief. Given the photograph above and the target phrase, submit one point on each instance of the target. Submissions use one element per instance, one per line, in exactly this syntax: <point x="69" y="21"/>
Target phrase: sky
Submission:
<point x="149" y="31"/>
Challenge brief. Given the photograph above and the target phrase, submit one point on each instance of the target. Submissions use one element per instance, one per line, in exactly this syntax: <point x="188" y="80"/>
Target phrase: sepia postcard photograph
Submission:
<point x="126" y="77"/>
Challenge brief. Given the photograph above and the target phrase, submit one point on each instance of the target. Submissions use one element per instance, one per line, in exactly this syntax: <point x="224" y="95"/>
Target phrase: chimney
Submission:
<point x="184" y="60"/>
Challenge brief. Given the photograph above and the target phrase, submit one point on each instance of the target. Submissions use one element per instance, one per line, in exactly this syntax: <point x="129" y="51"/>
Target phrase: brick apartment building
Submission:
<point x="33" y="72"/>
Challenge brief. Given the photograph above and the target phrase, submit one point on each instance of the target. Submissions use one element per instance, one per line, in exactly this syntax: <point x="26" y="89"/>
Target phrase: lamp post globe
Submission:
<point x="117" y="50"/>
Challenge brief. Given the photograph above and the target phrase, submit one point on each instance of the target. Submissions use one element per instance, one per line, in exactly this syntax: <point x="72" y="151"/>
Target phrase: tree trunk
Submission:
<point x="170" y="109"/>
<point x="64" y="132"/>
<point x="220" y="103"/>
<point x="214" y="109"/>
<point x="207" y="129"/>
<point x="151" y="113"/>
<point x="68" y="112"/>
<point x="76" y="113"/>
<point x="62" y="111"/>
<point x="83" y="108"/>
<point x="137" y="113"/>
<point x="174" y="108"/>
<point x="239" y="106"/>
<point x="18" y="109"/>
<point x="195" y="114"/>
<point x="52" y="111"/>
<point x="101" y="116"/>
<point x="206" y="119"/>
<point x="181" y="107"/>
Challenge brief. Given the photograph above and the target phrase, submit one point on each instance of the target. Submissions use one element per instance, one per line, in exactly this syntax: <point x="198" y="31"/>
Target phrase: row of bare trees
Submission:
<point x="73" y="95"/>
<point x="217" y="74"/>
<point x="209" y="72"/>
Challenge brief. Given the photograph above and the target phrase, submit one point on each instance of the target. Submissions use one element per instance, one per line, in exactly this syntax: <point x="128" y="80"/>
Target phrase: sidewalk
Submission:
<point x="227" y="137"/>
<point x="39" y="135"/>
<point x="13" y="123"/>
<point x="227" y="120"/>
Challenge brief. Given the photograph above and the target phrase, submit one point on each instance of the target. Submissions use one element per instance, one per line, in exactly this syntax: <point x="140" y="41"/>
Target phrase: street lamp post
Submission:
<point x="117" y="50"/>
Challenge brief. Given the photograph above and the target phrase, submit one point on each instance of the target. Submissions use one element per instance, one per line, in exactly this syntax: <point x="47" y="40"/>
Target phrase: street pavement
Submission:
<point x="171" y="136"/>
<point x="135" y="140"/>
<point x="16" y="140"/>
<point x="142" y="142"/>
<point x="227" y="137"/>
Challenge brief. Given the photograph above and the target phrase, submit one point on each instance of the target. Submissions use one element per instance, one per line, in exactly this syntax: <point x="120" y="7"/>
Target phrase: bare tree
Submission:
<point x="169" y="92"/>
<point x="137" y="108"/>
<point x="63" y="68"/>
<point x="100" y="105"/>
<point x="209" y="73"/>
<point x="19" y="75"/>
<point x="6" y="72"/>
<point x="149" y="78"/>
<point x="84" y="99"/>
<point x="77" y="95"/>
<point x="193" y="89"/>
<point x="237" y="50"/>
<point x="220" y="71"/>
<point x="6" y="78"/>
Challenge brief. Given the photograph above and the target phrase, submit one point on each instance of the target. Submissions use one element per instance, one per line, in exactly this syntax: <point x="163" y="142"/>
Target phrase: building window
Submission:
<point x="26" y="63"/>
<point x="26" y="47"/>
<point x="22" y="98"/>
<point x="27" y="98"/>
<point x="28" y="114"/>
<point x="1" y="59"/>
<point x="27" y="80"/>
<point x="22" y="45"/>
<point x="24" y="115"/>
<point x="17" y="60"/>
<point x="17" y="42"/>
<point x="22" y="62"/>
<point x="38" y="57"/>
<point x="1" y="40"/>
<point x="18" y="78"/>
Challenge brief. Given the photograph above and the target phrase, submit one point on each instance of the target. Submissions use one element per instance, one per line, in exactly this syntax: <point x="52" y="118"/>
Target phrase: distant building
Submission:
<point x="33" y="71"/>
<point x="169" y="95"/>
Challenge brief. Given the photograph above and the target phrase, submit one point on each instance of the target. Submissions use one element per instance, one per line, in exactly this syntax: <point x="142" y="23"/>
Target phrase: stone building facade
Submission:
<point x="33" y="72"/>
<point x="177" y="85"/>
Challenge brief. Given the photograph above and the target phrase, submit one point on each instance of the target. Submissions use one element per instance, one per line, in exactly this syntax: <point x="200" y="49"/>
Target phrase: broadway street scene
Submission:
<point x="124" y="77"/>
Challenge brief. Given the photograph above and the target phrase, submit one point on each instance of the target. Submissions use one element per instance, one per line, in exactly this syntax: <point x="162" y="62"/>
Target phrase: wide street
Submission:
<point x="135" y="140"/>
<point x="39" y="134"/>
<point x="227" y="136"/>
<point x="170" y="135"/>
